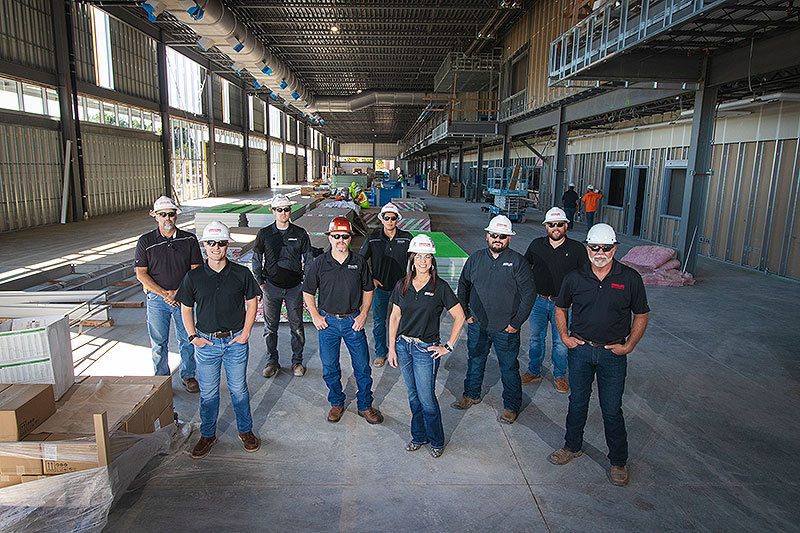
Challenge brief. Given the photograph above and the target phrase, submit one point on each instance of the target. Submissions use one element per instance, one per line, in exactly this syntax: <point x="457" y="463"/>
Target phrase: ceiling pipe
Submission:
<point x="375" y="98"/>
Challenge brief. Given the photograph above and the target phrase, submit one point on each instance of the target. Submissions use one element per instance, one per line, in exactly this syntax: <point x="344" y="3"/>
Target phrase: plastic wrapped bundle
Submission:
<point x="658" y="266"/>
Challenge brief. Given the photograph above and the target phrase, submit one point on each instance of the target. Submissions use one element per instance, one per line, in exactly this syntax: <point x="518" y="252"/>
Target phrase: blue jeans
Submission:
<point x="330" y="341"/>
<point x="159" y="314"/>
<point x="506" y="347"/>
<point x="590" y="218"/>
<point x="209" y="360"/>
<point x="380" y="307"/>
<point x="419" y="371"/>
<point x="544" y="311"/>
<point x="584" y="362"/>
<point x="274" y="296"/>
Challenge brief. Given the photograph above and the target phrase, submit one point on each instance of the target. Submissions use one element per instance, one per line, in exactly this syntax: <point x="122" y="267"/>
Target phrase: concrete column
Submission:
<point x="560" y="163"/>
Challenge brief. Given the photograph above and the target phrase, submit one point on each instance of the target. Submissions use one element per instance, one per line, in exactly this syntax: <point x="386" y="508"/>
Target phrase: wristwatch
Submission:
<point x="448" y="347"/>
<point x="192" y="337"/>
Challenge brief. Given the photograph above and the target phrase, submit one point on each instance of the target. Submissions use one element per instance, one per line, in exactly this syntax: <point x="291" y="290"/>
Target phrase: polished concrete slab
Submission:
<point x="710" y="403"/>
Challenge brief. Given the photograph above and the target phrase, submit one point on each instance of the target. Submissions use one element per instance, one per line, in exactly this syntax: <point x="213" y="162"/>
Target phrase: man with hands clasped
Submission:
<point x="419" y="300"/>
<point x="603" y="295"/>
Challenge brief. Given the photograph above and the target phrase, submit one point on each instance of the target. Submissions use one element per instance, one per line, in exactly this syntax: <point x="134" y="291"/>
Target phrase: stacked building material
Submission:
<point x="409" y="204"/>
<point x="232" y="215"/>
<point x="658" y="266"/>
<point x="410" y="221"/>
<point x="450" y="257"/>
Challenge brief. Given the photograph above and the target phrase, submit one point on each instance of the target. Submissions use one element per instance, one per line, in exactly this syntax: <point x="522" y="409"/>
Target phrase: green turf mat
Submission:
<point x="445" y="247"/>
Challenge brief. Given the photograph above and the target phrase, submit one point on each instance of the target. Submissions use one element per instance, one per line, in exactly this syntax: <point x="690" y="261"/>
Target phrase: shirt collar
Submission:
<point x="211" y="272"/>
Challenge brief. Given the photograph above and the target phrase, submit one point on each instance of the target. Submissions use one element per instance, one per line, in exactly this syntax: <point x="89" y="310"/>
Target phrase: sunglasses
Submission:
<point x="556" y="224"/>
<point x="344" y="237"/>
<point x="389" y="219"/>
<point x="167" y="214"/>
<point x="221" y="244"/>
<point x="498" y="236"/>
<point x="601" y="247"/>
<point x="282" y="209"/>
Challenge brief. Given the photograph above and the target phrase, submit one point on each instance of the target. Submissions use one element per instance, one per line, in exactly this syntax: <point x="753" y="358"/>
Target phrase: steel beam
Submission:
<point x="766" y="55"/>
<point x="560" y="166"/>
<point x="643" y="65"/>
<point x="534" y="123"/>
<point x="163" y="105"/>
<point x="698" y="174"/>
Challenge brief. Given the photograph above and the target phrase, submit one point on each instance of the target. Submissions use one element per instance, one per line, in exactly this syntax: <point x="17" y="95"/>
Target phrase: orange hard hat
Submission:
<point x="340" y="224"/>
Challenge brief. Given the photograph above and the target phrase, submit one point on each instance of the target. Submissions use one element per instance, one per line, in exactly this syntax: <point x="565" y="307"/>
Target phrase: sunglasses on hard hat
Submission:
<point x="282" y="209"/>
<point x="165" y="214"/>
<point x="221" y="244"/>
<point x="601" y="247"/>
<point x="498" y="236"/>
<point x="389" y="218"/>
<point x="342" y="236"/>
<point x="555" y="224"/>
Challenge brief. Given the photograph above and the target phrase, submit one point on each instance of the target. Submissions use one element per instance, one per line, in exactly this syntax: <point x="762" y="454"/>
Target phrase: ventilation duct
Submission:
<point x="373" y="98"/>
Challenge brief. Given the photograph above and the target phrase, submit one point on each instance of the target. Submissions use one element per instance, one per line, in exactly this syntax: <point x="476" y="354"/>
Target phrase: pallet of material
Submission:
<point x="410" y="221"/>
<point x="409" y="204"/>
<point x="450" y="257"/>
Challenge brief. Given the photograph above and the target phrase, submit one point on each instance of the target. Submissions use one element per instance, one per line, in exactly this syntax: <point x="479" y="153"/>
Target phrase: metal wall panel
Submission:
<point x="216" y="96"/>
<point x="356" y="150"/>
<point x="30" y="176"/>
<point x="229" y="170"/>
<point x="84" y="42"/>
<point x="134" y="61"/>
<point x="779" y="225"/>
<point x="26" y="33"/>
<point x="236" y="105"/>
<point x="258" y="115"/>
<point x="259" y="178"/>
<point x="124" y="169"/>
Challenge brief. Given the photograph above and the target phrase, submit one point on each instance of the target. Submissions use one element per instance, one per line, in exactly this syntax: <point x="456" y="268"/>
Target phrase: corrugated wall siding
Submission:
<point x="30" y="176"/>
<point x="229" y="170"/>
<point x="26" y="33"/>
<point x="135" y="61"/>
<point x="124" y="169"/>
<point x="259" y="177"/>
<point x="84" y="44"/>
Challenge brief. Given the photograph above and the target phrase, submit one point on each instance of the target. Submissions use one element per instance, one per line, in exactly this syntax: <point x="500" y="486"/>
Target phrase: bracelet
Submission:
<point x="448" y="347"/>
<point x="192" y="337"/>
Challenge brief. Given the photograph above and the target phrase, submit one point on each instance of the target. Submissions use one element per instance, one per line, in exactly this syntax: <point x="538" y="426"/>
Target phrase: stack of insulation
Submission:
<point x="658" y="266"/>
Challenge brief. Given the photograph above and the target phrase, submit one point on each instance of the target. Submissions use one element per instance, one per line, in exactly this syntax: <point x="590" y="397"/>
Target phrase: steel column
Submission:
<point x="268" y="133"/>
<point x="163" y="105"/>
<point x="476" y="192"/>
<point x="460" y="163"/>
<point x="449" y="161"/>
<point x="246" y="135"/>
<point x="506" y="151"/>
<point x="560" y="163"/>
<point x="697" y="177"/>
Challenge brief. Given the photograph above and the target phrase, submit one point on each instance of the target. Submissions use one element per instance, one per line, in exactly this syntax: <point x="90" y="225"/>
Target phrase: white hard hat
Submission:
<point x="281" y="200"/>
<point x="216" y="231"/>
<point x="571" y="183"/>
<point x="165" y="202"/>
<point x="500" y="224"/>
<point x="422" y="244"/>
<point x="555" y="214"/>
<point x="391" y="208"/>
<point x="601" y="234"/>
<point x="590" y="187"/>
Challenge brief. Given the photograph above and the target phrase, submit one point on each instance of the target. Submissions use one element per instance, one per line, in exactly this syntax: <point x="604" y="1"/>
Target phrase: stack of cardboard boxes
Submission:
<point x="40" y="437"/>
<point x="440" y="185"/>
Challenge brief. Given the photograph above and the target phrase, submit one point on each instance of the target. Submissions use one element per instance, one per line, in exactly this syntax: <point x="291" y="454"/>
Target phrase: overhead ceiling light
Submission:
<point x="335" y="29"/>
<point x="358" y="91"/>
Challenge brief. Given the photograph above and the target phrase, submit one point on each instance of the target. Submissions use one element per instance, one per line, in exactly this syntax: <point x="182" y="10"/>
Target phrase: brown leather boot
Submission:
<point x="191" y="385"/>
<point x="203" y="446"/>
<point x="619" y="475"/>
<point x="508" y="417"/>
<point x="371" y="415"/>
<point x="335" y="414"/>
<point x="527" y="377"/>
<point x="250" y="442"/>
<point x="562" y="456"/>
<point x="465" y="403"/>
<point x="561" y="385"/>
<point x="270" y="370"/>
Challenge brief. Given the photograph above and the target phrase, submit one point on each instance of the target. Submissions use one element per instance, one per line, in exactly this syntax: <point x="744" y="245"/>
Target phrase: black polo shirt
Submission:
<point x="389" y="256"/>
<point x="601" y="310"/>
<point x="219" y="296"/>
<point x="421" y="311"/>
<point x="340" y="285"/>
<point x="279" y="255"/>
<point x="549" y="265"/>
<point x="496" y="291"/>
<point x="168" y="259"/>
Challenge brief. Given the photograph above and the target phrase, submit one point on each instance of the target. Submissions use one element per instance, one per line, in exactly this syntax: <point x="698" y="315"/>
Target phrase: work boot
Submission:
<point x="619" y="475"/>
<point x="379" y="362"/>
<point x="271" y="369"/>
<point x="250" y="442"/>
<point x="371" y="415"/>
<point x="203" y="446"/>
<point x="335" y="414"/>
<point x="191" y="385"/>
<point x="562" y="456"/>
<point x="464" y="403"/>
<point x="561" y="385"/>
<point x="527" y="377"/>
<point x="508" y="416"/>
<point x="298" y="370"/>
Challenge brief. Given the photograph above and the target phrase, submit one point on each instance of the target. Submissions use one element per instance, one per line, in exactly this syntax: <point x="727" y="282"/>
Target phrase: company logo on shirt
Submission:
<point x="290" y="239"/>
<point x="508" y="264"/>
<point x="618" y="286"/>
<point x="426" y="293"/>
<point x="352" y="267"/>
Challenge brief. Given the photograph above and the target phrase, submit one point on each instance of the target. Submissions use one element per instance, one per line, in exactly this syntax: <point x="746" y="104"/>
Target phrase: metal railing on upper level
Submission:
<point x="615" y="26"/>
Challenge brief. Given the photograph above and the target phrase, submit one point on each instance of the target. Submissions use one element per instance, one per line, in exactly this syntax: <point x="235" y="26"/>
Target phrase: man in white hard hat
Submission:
<point x="551" y="258"/>
<point x="591" y="202"/>
<point x="496" y="294"/>
<point x="387" y="249"/>
<point x="281" y="254"/>
<point x="571" y="202"/>
<point x="604" y="295"/>
<point x="223" y="296"/>
<point x="163" y="257"/>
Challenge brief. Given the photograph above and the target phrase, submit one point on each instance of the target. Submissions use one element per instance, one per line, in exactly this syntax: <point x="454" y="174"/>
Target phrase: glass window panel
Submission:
<point x="32" y="99"/>
<point x="9" y="99"/>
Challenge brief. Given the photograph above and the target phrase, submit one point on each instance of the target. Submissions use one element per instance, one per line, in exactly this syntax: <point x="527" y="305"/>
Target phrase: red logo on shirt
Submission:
<point x="618" y="286"/>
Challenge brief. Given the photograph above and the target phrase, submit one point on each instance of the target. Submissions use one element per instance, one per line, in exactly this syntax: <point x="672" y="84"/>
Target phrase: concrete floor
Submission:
<point x="710" y="406"/>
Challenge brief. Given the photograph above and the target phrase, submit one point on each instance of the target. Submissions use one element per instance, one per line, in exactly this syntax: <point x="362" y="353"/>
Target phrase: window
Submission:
<point x="674" y="180"/>
<point x="109" y="113"/>
<point x="250" y="111"/>
<point x="615" y="186"/>
<point x="226" y="101"/>
<point x="33" y="99"/>
<point x="276" y="155"/>
<point x="275" y="118"/>
<point x="103" y="67"/>
<point x="9" y="99"/>
<point x="258" y="143"/>
<point x="53" y="108"/>
<point x="229" y="137"/>
<point x="265" y="115"/>
<point x="519" y="74"/>
<point x="185" y="79"/>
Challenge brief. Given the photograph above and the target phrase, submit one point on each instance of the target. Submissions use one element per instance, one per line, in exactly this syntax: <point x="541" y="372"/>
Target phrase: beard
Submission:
<point x="557" y="235"/>
<point x="168" y="226"/>
<point x="600" y="261"/>
<point x="498" y="246"/>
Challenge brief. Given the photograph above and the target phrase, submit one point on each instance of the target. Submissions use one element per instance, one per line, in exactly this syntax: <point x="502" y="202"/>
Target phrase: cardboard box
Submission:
<point x="23" y="408"/>
<point x="26" y="478"/>
<point x="150" y="409"/>
<point x="442" y="186"/>
<point x="9" y="481"/>
<point x="21" y="458"/>
<point x="37" y="350"/>
<point x="455" y="190"/>
<point x="64" y="456"/>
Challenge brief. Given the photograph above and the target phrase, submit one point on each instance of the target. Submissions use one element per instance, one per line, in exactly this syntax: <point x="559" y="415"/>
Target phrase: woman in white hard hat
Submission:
<point x="414" y="341"/>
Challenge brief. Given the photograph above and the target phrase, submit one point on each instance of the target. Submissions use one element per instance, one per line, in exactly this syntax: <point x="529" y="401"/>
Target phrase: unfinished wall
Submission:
<point x="26" y="33"/>
<point x="229" y="170"/>
<point x="259" y="177"/>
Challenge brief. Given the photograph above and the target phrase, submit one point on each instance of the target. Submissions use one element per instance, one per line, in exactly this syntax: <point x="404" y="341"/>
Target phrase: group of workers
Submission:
<point x="572" y="203"/>
<point x="596" y="307"/>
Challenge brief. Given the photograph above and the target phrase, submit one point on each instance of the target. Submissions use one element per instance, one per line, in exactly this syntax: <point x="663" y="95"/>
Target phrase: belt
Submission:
<point x="347" y="315"/>
<point x="549" y="298"/>
<point x="220" y="334"/>
<point x="596" y="344"/>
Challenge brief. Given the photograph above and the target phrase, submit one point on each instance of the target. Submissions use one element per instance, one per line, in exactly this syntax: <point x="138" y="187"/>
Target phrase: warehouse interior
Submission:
<point x="684" y="113"/>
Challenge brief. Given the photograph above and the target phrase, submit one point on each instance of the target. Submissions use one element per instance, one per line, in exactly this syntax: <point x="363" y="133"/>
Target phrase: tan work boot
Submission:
<point x="379" y="362"/>
<point x="619" y="475"/>
<point x="465" y="403"/>
<point x="561" y="385"/>
<point x="508" y="417"/>
<point x="562" y="456"/>
<point x="527" y="377"/>
<point x="270" y="370"/>
<point x="335" y="414"/>
<point x="371" y="415"/>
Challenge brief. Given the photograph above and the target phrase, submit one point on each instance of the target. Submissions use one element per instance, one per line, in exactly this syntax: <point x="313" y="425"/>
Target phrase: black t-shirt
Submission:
<point x="421" y="311"/>
<point x="168" y="259"/>
<point x="340" y="285"/>
<point x="389" y="256"/>
<point x="279" y="255"/>
<point x="570" y="200"/>
<point x="549" y="265"/>
<point x="601" y="310"/>
<point x="219" y="296"/>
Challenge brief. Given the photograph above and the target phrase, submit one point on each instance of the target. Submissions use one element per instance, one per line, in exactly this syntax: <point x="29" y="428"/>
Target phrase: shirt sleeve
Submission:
<point x="197" y="256"/>
<point x="251" y="288"/>
<point x="367" y="284"/>
<point x="564" y="299"/>
<point x="449" y="298"/>
<point x="638" y="296"/>
<point x="364" y="251"/>
<point x="311" y="281"/>
<point x="395" y="296"/>
<point x="140" y="259"/>
<point x="465" y="286"/>
<point x="307" y="250"/>
<point x="185" y="294"/>
<point x="526" y="294"/>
